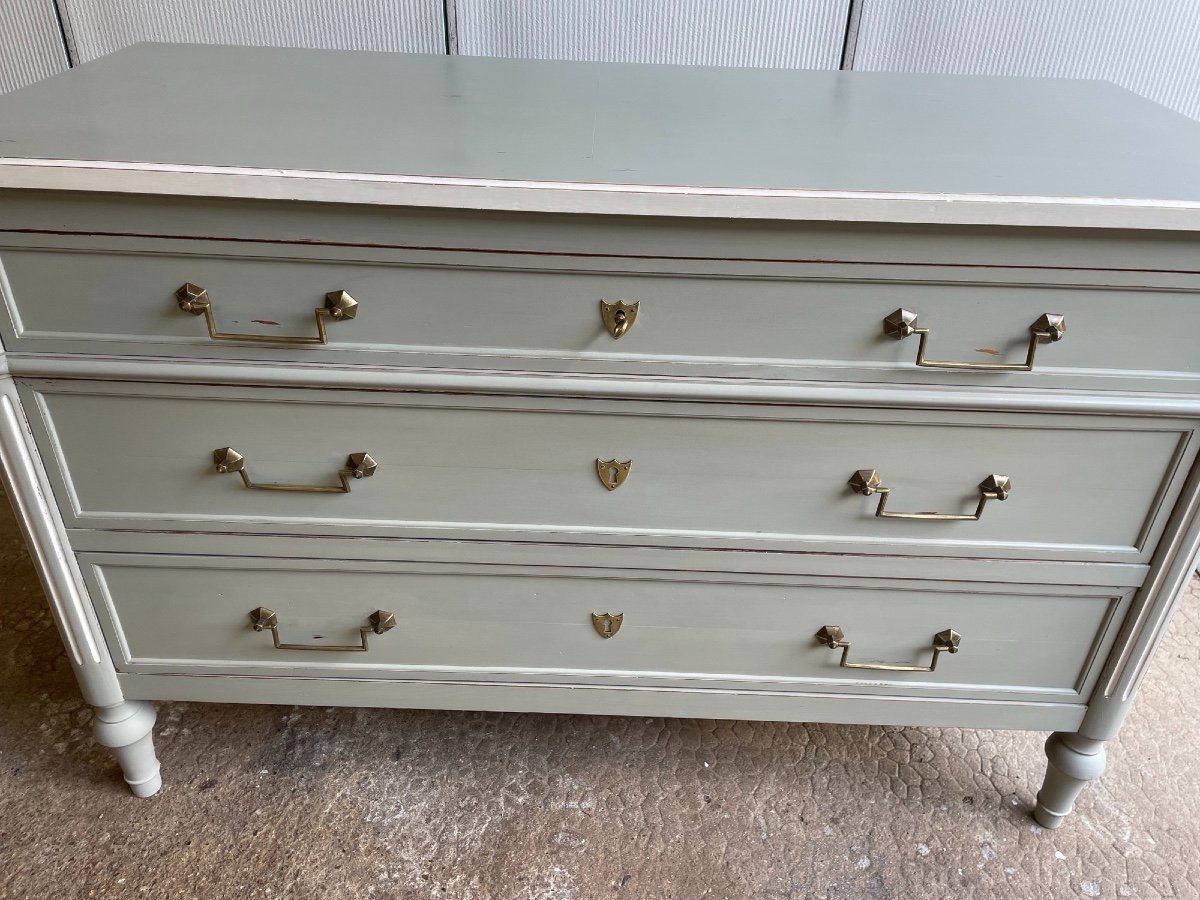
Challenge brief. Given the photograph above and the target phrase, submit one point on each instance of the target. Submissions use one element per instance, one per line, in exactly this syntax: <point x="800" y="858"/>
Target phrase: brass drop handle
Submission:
<point x="618" y="317"/>
<point x="834" y="638"/>
<point x="903" y="322"/>
<point x="338" y="307"/>
<point x="358" y="465"/>
<point x="265" y="619"/>
<point x="867" y="482"/>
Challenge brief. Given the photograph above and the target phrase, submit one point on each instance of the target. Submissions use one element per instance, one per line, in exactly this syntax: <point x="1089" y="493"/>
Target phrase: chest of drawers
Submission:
<point x="450" y="383"/>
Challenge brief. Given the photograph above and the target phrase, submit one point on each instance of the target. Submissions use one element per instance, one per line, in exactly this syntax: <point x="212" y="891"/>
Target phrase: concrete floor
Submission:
<point x="265" y="801"/>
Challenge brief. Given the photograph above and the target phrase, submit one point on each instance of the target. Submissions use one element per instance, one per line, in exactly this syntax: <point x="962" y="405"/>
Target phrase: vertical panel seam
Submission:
<point x="64" y="38"/>
<point x="850" y="36"/>
<point x="450" y="26"/>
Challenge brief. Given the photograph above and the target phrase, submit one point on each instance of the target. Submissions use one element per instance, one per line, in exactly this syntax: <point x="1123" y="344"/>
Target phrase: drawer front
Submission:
<point x="726" y="318"/>
<point x="1081" y="487"/>
<point x="508" y="624"/>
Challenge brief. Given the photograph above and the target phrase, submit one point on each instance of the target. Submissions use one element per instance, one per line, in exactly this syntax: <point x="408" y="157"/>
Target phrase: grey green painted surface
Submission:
<point x="535" y="120"/>
<point x="639" y="140"/>
<point x="511" y="468"/>
<point x="188" y="614"/>
<point x="539" y="312"/>
<point x="735" y="537"/>
<point x="521" y="293"/>
<point x="873" y="569"/>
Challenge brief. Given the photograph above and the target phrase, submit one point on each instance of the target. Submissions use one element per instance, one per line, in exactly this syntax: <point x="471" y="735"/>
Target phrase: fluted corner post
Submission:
<point x="1078" y="757"/>
<point x="121" y="725"/>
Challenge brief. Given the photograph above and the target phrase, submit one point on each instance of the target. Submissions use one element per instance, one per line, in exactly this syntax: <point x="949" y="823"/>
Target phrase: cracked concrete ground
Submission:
<point x="267" y="801"/>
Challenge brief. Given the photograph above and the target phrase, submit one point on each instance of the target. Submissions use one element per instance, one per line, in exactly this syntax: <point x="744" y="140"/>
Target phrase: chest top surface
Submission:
<point x="397" y="128"/>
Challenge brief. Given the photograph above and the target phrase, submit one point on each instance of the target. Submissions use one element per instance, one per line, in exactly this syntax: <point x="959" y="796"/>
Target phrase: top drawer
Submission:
<point x="812" y="309"/>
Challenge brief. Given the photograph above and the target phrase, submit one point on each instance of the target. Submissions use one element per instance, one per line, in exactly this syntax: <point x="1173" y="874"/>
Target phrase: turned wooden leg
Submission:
<point x="126" y="729"/>
<point x="1073" y="762"/>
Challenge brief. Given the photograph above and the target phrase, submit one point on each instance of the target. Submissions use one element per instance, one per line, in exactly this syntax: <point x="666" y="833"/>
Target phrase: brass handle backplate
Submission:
<point x="358" y="465"/>
<point x="265" y="619"/>
<point x="339" y="306"/>
<point x="903" y="322"/>
<point x="618" y="317"/>
<point x="867" y="482"/>
<point x="833" y="637"/>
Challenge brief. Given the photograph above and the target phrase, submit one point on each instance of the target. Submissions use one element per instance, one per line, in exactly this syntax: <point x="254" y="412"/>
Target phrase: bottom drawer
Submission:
<point x="531" y="624"/>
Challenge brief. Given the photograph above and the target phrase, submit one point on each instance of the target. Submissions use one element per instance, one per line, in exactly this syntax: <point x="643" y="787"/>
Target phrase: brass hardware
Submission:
<point x="618" y="317"/>
<point x="612" y="474"/>
<point x="867" y="482"/>
<point x="358" y="465"/>
<point x="607" y="625"/>
<point x="903" y="322"/>
<point x="339" y="306"/>
<point x="834" y="638"/>
<point x="265" y="619"/>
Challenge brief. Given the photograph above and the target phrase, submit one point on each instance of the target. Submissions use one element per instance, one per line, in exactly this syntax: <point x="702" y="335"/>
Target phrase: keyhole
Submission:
<point x="608" y="626"/>
<point x="612" y="475"/>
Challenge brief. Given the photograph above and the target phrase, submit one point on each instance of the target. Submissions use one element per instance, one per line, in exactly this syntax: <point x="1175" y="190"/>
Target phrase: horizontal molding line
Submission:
<point x="625" y="700"/>
<point x="601" y="198"/>
<point x="648" y="388"/>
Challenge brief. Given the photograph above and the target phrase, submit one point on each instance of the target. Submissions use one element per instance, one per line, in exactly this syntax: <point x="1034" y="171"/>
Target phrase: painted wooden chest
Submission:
<point x="358" y="379"/>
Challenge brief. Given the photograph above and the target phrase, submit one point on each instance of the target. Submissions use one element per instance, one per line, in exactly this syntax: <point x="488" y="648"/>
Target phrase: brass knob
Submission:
<point x="228" y="460"/>
<point x="381" y="621"/>
<point x="831" y="636"/>
<point x="263" y="618"/>
<point x="947" y="640"/>
<point x="341" y="305"/>
<point x="361" y="465"/>
<point x="192" y="298"/>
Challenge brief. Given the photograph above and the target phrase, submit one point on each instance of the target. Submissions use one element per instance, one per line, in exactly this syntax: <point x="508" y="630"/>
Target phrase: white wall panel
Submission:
<point x="30" y="43"/>
<point x="1151" y="47"/>
<point x="99" y="27"/>
<point x="794" y="34"/>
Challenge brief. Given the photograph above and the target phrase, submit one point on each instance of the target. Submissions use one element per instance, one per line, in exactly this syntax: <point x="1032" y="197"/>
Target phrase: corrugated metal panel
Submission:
<point x="99" y="27"/>
<point x="794" y="34"/>
<point x="1152" y="48"/>
<point x="30" y="43"/>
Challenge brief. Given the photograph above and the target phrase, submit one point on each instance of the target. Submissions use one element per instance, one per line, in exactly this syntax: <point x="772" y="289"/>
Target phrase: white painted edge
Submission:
<point x="46" y="537"/>
<point x="351" y="376"/>
<point x="709" y="703"/>
<point x="1161" y="595"/>
<point x="599" y="198"/>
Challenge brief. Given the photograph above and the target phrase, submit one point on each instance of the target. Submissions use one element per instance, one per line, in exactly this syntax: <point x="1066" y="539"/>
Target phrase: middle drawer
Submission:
<point x="1076" y="487"/>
